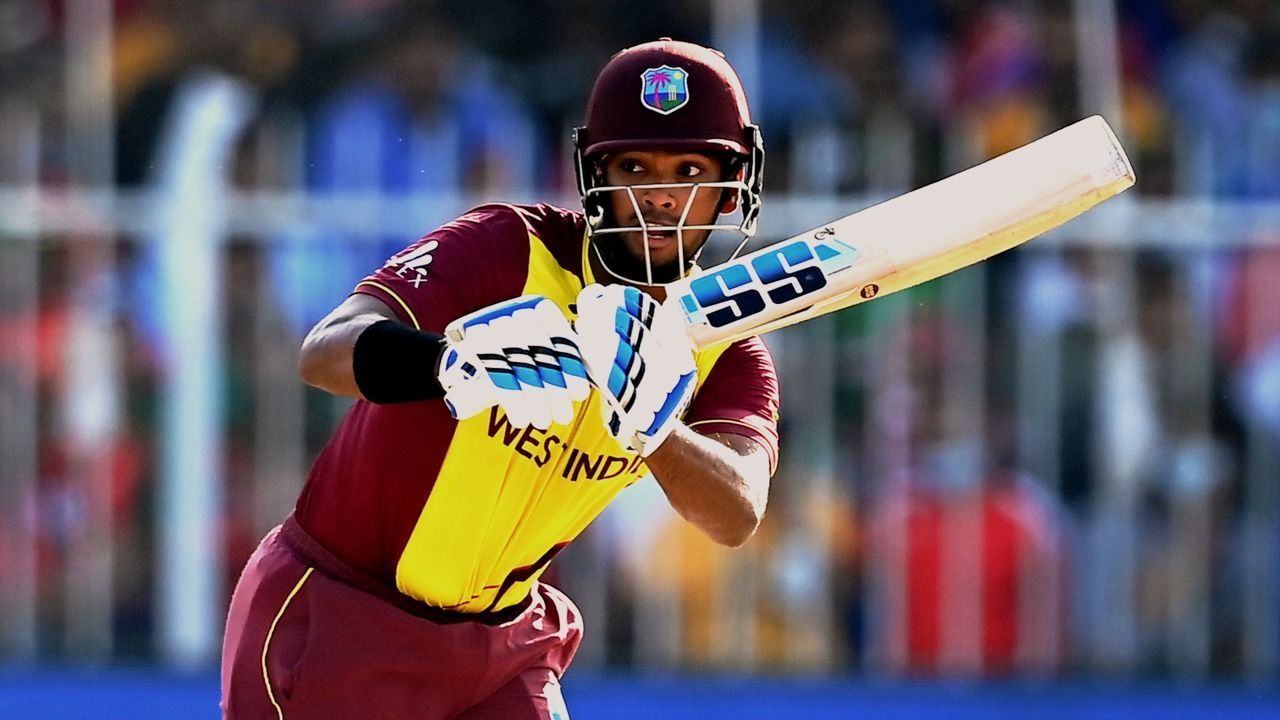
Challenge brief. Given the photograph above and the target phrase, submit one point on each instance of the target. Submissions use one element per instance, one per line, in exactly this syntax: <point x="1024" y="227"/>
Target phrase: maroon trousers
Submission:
<point x="309" y="637"/>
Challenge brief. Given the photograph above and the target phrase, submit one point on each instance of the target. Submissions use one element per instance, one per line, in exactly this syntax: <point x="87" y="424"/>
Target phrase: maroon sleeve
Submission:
<point x="740" y="396"/>
<point x="476" y="260"/>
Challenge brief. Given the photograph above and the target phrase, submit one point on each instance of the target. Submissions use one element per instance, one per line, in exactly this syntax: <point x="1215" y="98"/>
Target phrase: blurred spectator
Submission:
<point x="1205" y="84"/>
<point x="1250" y="327"/>
<point x="997" y="81"/>
<point x="422" y="116"/>
<point x="966" y="555"/>
<point x="859" y="137"/>
<point x="1001" y="546"/>
<point x="1263" y="138"/>
<point x="166" y="43"/>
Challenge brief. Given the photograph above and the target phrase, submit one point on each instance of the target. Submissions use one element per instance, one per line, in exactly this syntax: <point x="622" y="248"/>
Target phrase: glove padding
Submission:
<point x="638" y="355"/>
<point x="519" y="355"/>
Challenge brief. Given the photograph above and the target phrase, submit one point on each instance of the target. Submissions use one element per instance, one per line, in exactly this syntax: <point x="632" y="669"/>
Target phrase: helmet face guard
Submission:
<point x="675" y="97"/>
<point x="596" y="200"/>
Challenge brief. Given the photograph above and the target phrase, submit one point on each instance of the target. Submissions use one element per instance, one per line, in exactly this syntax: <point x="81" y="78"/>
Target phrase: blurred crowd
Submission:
<point x="1162" y="368"/>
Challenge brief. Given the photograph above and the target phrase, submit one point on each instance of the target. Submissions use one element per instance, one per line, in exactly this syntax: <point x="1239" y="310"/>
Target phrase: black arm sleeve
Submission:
<point x="394" y="363"/>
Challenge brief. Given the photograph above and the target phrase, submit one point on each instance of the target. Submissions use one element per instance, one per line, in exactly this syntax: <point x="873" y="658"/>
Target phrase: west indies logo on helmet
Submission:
<point x="665" y="89"/>
<point x="677" y="97"/>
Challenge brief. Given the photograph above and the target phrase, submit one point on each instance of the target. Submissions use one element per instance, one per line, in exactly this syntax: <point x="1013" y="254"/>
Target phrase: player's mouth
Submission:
<point x="658" y="228"/>
<point x="657" y="240"/>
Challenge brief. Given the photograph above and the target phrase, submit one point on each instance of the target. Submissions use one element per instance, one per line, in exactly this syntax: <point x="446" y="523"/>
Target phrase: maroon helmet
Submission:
<point x="674" y="96"/>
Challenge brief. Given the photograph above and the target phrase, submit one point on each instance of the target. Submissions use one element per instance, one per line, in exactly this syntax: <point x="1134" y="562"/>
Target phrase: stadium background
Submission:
<point x="1048" y="486"/>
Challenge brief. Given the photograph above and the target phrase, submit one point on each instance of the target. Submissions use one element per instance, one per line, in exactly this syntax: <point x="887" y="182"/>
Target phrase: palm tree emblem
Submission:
<point x="664" y="89"/>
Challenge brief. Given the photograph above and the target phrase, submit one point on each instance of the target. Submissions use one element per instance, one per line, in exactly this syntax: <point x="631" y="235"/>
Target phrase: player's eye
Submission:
<point x="691" y="170"/>
<point x="630" y="166"/>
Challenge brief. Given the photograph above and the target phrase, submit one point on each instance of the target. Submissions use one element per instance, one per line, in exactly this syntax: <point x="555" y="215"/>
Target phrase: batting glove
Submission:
<point x="519" y="355"/>
<point x="638" y="355"/>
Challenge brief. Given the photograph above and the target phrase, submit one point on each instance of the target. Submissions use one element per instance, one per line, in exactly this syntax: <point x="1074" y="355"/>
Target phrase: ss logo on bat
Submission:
<point x="739" y="291"/>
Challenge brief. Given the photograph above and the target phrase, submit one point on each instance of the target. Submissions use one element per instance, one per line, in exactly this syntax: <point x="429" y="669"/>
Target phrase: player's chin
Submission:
<point x="661" y="266"/>
<point x="659" y="258"/>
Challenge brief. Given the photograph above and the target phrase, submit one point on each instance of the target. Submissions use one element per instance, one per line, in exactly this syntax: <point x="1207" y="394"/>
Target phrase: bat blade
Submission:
<point x="909" y="239"/>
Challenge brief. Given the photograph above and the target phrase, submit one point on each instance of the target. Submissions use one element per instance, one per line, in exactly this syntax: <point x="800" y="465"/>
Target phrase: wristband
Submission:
<point x="393" y="363"/>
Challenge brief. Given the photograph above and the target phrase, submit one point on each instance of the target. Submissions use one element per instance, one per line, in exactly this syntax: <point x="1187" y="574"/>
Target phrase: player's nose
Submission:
<point x="659" y="198"/>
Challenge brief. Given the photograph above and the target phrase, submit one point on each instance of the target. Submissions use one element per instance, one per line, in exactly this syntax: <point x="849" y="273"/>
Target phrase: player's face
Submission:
<point x="663" y="206"/>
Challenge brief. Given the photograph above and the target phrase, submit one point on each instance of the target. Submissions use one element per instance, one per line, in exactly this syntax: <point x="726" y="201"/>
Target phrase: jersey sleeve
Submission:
<point x="740" y="396"/>
<point x="476" y="260"/>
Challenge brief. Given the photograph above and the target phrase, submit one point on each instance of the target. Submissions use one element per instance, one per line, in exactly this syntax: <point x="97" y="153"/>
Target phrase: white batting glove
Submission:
<point x="519" y="355"/>
<point x="638" y="355"/>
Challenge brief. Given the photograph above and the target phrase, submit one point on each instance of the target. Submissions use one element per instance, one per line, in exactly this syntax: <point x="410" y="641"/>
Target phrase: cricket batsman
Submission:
<point x="514" y="370"/>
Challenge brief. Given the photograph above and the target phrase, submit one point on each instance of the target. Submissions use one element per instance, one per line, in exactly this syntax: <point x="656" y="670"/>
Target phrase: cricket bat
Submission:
<point x="909" y="239"/>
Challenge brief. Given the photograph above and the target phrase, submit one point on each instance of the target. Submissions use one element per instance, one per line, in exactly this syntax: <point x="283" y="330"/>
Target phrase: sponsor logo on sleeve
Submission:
<point x="412" y="263"/>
